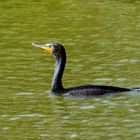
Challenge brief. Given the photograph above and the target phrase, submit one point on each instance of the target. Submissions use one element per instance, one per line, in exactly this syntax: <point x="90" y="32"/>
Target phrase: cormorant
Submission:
<point x="58" y="51"/>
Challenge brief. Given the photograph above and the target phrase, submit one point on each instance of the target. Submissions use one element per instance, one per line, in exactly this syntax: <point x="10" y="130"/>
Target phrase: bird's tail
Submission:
<point x="137" y="89"/>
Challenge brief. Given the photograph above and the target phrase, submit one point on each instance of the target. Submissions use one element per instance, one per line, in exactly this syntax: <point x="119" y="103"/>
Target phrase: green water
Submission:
<point x="102" y="42"/>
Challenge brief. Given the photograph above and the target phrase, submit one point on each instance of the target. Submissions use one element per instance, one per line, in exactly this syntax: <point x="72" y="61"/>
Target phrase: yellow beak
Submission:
<point x="43" y="46"/>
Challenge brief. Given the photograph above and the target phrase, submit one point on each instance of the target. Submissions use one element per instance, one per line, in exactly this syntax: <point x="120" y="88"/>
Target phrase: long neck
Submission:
<point x="57" y="77"/>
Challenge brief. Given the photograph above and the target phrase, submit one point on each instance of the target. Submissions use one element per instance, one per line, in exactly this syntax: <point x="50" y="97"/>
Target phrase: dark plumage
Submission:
<point x="57" y="88"/>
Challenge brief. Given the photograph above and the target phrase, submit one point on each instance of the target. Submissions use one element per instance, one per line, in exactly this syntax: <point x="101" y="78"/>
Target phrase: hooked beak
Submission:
<point x="42" y="46"/>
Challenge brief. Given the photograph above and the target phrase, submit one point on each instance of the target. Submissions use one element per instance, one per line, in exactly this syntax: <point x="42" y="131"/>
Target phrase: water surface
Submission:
<point x="102" y="43"/>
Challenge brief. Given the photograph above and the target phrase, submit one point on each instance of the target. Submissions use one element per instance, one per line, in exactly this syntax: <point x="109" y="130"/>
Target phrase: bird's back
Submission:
<point x="90" y="90"/>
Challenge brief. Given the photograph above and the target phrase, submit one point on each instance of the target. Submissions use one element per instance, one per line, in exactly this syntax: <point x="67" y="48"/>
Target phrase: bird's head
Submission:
<point x="53" y="48"/>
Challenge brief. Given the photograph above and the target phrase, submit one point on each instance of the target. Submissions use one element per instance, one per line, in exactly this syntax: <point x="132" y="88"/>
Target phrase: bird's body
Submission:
<point x="57" y="88"/>
<point x="90" y="90"/>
